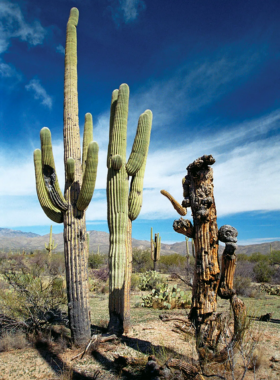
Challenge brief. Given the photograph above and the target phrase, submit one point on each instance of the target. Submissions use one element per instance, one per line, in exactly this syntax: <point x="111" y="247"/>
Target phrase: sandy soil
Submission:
<point x="50" y="362"/>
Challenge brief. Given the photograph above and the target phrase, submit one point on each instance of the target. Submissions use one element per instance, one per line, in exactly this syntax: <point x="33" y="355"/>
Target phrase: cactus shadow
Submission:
<point x="57" y="365"/>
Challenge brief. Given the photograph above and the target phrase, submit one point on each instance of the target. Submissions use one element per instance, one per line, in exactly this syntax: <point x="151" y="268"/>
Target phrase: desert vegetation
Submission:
<point x="134" y="314"/>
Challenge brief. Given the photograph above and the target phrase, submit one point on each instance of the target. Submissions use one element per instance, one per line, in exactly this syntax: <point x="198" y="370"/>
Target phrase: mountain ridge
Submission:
<point x="29" y="241"/>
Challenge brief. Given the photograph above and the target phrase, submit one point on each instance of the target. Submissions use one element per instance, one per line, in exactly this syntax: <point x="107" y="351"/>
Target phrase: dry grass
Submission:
<point x="13" y="341"/>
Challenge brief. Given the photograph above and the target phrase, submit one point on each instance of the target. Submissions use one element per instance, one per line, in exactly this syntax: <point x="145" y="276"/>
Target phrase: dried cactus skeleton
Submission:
<point x="123" y="206"/>
<point x="208" y="281"/>
<point x="155" y="248"/>
<point x="80" y="176"/>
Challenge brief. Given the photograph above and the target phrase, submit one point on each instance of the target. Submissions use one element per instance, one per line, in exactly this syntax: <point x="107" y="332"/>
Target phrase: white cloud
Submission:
<point x="60" y="49"/>
<point x="39" y="92"/>
<point x="13" y="25"/>
<point x="131" y="9"/>
<point x="246" y="176"/>
<point x="9" y="72"/>
<point x="125" y="11"/>
<point x="258" y="241"/>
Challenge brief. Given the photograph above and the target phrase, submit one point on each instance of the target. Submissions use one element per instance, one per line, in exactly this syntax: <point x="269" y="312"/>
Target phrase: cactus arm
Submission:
<point x="181" y="210"/>
<point x="70" y="169"/>
<point x="135" y="199"/>
<point x="89" y="177"/>
<point x="118" y="132"/>
<point x="116" y="162"/>
<point x="87" y="139"/>
<point x="158" y="247"/>
<point x="112" y="117"/>
<point x="49" y="209"/>
<point x="49" y="172"/>
<point x="141" y="144"/>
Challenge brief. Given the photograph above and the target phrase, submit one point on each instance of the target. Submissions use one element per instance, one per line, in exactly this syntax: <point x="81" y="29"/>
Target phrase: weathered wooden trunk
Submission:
<point x="198" y="192"/>
<point x="199" y="195"/>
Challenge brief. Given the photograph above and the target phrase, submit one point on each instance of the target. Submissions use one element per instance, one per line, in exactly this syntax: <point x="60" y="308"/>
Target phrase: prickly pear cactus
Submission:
<point x="80" y="176"/>
<point x="123" y="205"/>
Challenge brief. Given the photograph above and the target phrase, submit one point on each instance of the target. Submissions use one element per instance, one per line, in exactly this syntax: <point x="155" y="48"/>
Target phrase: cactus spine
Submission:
<point x="155" y="249"/>
<point x="123" y="205"/>
<point x="80" y="176"/>
<point x="51" y="246"/>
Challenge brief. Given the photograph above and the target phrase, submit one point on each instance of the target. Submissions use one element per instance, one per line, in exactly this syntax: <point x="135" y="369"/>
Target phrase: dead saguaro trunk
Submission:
<point x="208" y="282"/>
<point x="80" y="176"/>
<point x="199" y="195"/>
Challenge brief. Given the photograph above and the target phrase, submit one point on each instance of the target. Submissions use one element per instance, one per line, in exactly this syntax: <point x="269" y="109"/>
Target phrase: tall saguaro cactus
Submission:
<point x="123" y="206"/>
<point x="155" y="248"/>
<point x="80" y="176"/>
<point x="51" y="246"/>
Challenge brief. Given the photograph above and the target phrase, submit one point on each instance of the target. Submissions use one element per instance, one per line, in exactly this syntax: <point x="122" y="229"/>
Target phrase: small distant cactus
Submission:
<point x="155" y="249"/>
<point x="51" y="246"/>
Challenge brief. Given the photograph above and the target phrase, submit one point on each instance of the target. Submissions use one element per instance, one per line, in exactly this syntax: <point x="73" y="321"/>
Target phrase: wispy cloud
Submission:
<point x="191" y="88"/>
<point x="39" y="92"/>
<point x="60" y="49"/>
<point x="258" y="240"/>
<point x="9" y="72"/>
<point x="13" y="25"/>
<point x="125" y="11"/>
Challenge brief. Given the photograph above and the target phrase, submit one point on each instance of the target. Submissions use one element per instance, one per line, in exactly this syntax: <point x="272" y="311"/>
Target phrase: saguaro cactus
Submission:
<point x="123" y="206"/>
<point x="51" y="246"/>
<point x="198" y="194"/>
<point x="155" y="248"/>
<point x="80" y="176"/>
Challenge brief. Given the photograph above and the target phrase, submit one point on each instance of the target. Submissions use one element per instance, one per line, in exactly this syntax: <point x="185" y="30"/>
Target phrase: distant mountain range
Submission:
<point x="28" y="241"/>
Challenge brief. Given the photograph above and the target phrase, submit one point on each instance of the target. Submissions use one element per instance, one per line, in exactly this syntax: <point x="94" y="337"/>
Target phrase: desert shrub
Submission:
<point x="141" y="260"/>
<point x="242" y="257"/>
<point x="150" y="280"/>
<point x="263" y="271"/>
<point x="32" y="301"/>
<point x="256" y="257"/>
<point x="245" y="269"/>
<point x="242" y="285"/>
<point x="174" y="259"/>
<point x="135" y="279"/>
<point x="13" y="341"/>
<point x="95" y="260"/>
<point x="274" y="258"/>
<point x="101" y="274"/>
<point x="56" y="264"/>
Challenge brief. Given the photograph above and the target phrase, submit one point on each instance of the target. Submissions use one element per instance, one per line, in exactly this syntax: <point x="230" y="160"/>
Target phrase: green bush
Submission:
<point x="135" y="279"/>
<point x="256" y="257"/>
<point x="33" y="298"/>
<point x="173" y="259"/>
<point x="274" y="257"/>
<point x="141" y="260"/>
<point x="95" y="260"/>
<point x="243" y="257"/>
<point x="263" y="271"/>
<point x="150" y="280"/>
<point x="242" y="285"/>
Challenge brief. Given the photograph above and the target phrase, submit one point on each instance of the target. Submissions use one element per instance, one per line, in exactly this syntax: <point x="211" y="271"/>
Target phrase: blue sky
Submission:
<point x="209" y="71"/>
